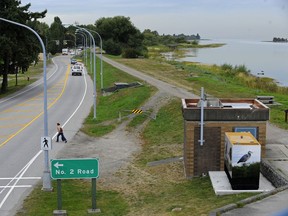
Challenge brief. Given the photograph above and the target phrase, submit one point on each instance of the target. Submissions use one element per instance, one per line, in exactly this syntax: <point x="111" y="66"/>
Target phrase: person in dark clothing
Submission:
<point x="60" y="133"/>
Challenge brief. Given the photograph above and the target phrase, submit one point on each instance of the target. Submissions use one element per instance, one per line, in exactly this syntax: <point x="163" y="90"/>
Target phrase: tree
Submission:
<point x="56" y="36"/>
<point x="121" y="33"/>
<point x="151" y="38"/>
<point x="19" y="46"/>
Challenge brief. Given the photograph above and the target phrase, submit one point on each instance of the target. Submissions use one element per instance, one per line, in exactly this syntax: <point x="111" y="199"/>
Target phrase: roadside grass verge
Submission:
<point x="120" y="102"/>
<point x="23" y="79"/>
<point x="76" y="199"/>
<point x="163" y="137"/>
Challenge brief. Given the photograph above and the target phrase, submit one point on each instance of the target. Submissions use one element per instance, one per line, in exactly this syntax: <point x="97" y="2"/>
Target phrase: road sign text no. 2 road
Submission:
<point x="74" y="168"/>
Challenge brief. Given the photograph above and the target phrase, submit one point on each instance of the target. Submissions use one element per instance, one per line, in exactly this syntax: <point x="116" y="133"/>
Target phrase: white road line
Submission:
<point x="17" y="186"/>
<point x="20" y="174"/>
<point x="23" y="178"/>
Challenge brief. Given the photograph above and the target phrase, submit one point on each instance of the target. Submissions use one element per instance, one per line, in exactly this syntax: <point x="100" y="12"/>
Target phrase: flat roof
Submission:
<point x="224" y="103"/>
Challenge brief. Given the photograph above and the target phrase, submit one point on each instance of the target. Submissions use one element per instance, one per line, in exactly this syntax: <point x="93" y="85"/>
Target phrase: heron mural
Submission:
<point x="242" y="160"/>
<point x="245" y="157"/>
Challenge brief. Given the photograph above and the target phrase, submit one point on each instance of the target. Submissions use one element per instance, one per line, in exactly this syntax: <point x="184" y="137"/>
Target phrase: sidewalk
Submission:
<point x="276" y="201"/>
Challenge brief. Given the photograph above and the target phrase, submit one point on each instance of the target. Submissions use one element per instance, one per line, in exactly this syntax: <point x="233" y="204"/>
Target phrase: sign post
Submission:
<point x="82" y="168"/>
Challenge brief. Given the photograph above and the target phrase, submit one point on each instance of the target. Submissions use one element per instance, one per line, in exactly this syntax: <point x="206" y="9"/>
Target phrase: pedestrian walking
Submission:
<point x="60" y="133"/>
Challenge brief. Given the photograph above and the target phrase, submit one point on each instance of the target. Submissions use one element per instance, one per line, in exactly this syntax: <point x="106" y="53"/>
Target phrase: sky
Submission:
<point x="211" y="19"/>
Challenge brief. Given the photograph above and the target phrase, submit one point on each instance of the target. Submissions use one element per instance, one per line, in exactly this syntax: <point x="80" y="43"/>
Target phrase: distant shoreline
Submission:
<point x="276" y="41"/>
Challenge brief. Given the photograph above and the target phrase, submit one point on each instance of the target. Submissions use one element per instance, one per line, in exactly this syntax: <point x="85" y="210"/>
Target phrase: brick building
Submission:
<point x="219" y="116"/>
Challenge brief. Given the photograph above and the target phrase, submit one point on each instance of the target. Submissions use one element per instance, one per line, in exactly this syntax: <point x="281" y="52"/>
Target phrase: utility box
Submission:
<point x="242" y="158"/>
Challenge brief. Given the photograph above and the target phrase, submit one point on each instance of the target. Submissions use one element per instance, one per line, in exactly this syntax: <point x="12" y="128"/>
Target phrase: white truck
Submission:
<point x="65" y="51"/>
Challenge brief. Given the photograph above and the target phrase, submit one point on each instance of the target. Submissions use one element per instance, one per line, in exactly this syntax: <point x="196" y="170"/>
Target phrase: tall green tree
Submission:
<point x="151" y="38"/>
<point x="19" y="46"/>
<point x="56" y="36"/>
<point x="120" y="36"/>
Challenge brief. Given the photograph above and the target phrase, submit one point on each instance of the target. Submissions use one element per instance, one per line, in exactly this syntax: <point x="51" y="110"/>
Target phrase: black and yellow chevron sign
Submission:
<point x="137" y="111"/>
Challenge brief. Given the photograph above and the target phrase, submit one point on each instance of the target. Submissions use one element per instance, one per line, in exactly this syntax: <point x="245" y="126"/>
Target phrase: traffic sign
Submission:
<point x="46" y="143"/>
<point x="74" y="168"/>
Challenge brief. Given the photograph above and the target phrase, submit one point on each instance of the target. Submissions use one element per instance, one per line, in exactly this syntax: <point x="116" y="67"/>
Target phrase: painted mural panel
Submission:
<point x="242" y="160"/>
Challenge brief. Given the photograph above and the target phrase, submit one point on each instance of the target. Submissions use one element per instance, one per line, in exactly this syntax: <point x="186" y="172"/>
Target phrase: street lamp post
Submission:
<point x="101" y="67"/>
<point x="46" y="175"/>
<point x="94" y="48"/>
<point x="94" y="89"/>
<point x="83" y="39"/>
<point x="84" y="44"/>
<point x="78" y="31"/>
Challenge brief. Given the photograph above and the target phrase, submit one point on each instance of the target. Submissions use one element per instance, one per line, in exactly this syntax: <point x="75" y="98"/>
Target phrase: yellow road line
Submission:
<point x="18" y="117"/>
<point x="10" y="125"/>
<point x="20" y="111"/>
<point x="29" y="104"/>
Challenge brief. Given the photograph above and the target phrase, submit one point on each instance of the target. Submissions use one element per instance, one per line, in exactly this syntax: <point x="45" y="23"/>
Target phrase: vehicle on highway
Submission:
<point x="65" y="51"/>
<point x="73" y="61"/>
<point x="72" y="52"/>
<point x="77" y="70"/>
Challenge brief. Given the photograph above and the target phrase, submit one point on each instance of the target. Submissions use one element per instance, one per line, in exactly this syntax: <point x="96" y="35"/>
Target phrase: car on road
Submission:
<point x="77" y="70"/>
<point x="73" y="61"/>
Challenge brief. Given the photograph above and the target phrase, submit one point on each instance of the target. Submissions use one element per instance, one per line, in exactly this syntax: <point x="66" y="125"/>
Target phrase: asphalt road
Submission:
<point x="69" y="100"/>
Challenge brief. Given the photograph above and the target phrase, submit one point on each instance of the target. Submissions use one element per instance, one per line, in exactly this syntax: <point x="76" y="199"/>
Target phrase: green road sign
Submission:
<point x="74" y="168"/>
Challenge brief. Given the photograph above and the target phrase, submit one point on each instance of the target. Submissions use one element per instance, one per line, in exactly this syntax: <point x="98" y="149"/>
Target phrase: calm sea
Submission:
<point x="261" y="58"/>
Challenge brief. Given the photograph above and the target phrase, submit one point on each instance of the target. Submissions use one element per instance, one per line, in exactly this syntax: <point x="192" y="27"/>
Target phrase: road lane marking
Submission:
<point x="19" y="111"/>
<point x="23" y="178"/>
<point x="17" y="186"/>
<point x="20" y="174"/>
<point x="29" y="104"/>
<point x="11" y="125"/>
<point x="11" y="118"/>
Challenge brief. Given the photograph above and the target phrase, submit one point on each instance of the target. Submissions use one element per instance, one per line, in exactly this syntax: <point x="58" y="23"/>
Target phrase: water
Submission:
<point x="261" y="58"/>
